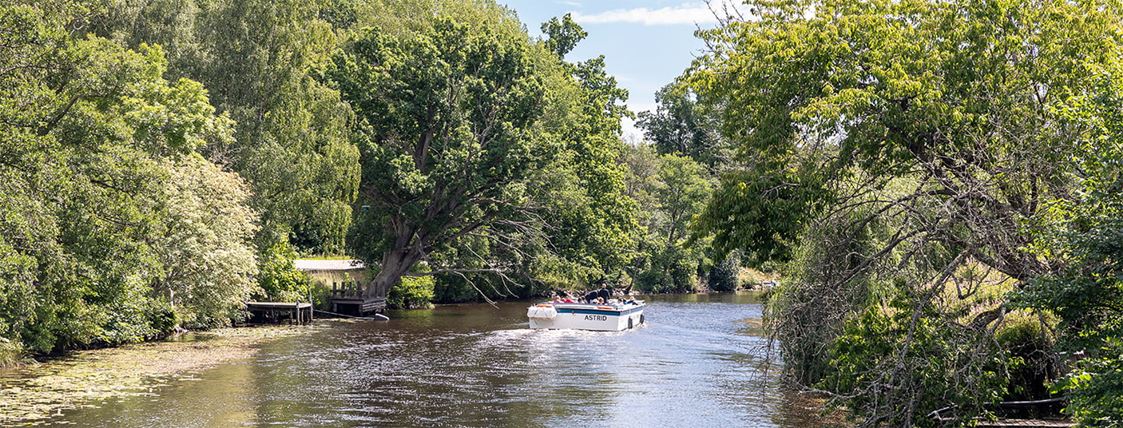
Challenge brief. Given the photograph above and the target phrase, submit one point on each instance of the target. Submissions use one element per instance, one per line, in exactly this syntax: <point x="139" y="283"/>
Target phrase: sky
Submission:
<point x="646" y="43"/>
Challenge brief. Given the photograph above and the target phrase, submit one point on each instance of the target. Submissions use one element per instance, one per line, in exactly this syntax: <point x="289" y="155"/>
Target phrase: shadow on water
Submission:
<point x="700" y="361"/>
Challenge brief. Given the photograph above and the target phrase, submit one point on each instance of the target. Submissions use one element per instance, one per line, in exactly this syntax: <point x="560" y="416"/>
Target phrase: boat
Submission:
<point x="613" y="316"/>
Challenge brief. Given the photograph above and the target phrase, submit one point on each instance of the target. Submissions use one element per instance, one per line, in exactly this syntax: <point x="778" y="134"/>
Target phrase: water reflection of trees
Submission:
<point x="474" y="365"/>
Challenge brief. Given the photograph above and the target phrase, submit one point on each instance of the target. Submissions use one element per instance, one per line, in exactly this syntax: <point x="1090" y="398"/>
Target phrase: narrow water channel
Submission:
<point x="700" y="361"/>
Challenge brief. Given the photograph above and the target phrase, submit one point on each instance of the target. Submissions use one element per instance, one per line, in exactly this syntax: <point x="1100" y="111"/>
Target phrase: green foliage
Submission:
<point x="669" y="269"/>
<point x="811" y="98"/>
<point x="207" y="247"/>
<point x="671" y="191"/>
<point x="896" y="364"/>
<point x="170" y="165"/>
<point x="99" y="175"/>
<point x="889" y="147"/>
<point x="562" y="35"/>
<point x="809" y="310"/>
<point x="1093" y="386"/>
<point x="484" y="152"/>
<point x="680" y="125"/>
<point x="1082" y="235"/>
<point x="444" y="119"/>
<point x="723" y="276"/>
<point x="453" y="289"/>
<point x="591" y="223"/>
<point x="130" y="317"/>
<point x="760" y="213"/>
<point x="1029" y="345"/>
<point x="279" y="278"/>
<point x="413" y="292"/>
<point x="259" y="60"/>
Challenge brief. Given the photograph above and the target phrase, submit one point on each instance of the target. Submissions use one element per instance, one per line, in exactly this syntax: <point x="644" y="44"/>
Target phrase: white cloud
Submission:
<point x="689" y="13"/>
<point x="629" y="132"/>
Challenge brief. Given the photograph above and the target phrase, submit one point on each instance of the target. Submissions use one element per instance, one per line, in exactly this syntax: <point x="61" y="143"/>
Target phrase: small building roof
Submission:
<point x="328" y="265"/>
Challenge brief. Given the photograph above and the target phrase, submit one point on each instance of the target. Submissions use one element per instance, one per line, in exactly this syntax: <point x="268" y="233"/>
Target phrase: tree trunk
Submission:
<point x="396" y="262"/>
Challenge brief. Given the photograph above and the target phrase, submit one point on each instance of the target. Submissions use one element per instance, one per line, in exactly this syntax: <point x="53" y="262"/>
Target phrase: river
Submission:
<point x="699" y="361"/>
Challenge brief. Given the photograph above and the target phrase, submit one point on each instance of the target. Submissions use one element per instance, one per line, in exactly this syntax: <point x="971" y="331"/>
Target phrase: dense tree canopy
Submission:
<point x="164" y="161"/>
<point x="680" y="125"/>
<point x="95" y="146"/>
<point x="485" y="155"/>
<point x="258" y="60"/>
<point x="444" y="120"/>
<point x="670" y="190"/>
<point x="592" y="224"/>
<point x="926" y="157"/>
<point x="939" y="182"/>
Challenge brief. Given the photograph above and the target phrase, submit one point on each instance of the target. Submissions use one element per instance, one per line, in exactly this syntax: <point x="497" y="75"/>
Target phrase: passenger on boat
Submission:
<point x="589" y="297"/>
<point x="603" y="294"/>
<point x="562" y="296"/>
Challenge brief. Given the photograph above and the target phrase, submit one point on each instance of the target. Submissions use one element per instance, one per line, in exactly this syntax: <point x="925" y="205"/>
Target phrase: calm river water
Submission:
<point x="700" y="361"/>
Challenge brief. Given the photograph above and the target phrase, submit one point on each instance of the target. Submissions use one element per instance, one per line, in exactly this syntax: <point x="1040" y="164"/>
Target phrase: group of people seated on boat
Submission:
<point x="601" y="296"/>
<point x="567" y="299"/>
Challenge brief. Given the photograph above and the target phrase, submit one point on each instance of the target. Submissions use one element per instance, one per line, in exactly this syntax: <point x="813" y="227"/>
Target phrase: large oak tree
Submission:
<point x="444" y="124"/>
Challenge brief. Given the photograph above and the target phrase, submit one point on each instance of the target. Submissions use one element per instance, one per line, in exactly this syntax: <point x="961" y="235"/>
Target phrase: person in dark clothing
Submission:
<point x="604" y="294"/>
<point x="590" y="297"/>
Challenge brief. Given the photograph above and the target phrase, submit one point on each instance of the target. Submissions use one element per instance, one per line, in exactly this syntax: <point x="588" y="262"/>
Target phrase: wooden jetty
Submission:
<point x="349" y="281"/>
<point x="274" y="312"/>
<point x="351" y="298"/>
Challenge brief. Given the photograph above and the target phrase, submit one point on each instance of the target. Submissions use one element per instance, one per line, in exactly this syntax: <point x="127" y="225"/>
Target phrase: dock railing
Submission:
<point x="347" y="290"/>
<point x="353" y="294"/>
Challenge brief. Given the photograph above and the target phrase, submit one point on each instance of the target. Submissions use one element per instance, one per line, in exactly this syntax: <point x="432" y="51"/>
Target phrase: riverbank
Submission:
<point x="33" y="392"/>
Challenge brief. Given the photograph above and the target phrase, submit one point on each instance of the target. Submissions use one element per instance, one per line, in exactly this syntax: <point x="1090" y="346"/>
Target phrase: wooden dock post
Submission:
<point x="274" y="309"/>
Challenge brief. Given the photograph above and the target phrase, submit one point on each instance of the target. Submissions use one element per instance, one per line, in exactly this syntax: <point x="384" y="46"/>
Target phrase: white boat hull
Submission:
<point x="590" y="317"/>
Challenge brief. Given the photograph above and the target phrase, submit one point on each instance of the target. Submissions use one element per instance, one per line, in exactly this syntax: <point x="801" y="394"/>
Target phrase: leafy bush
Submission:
<point x="134" y="318"/>
<point x="279" y="278"/>
<point x="899" y="363"/>
<point x="670" y="269"/>
<point x="723" y="275"/>
<point x="1095" y="387"/>
<point x="412" y="292"/>
<point x="1028" y="344"/>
